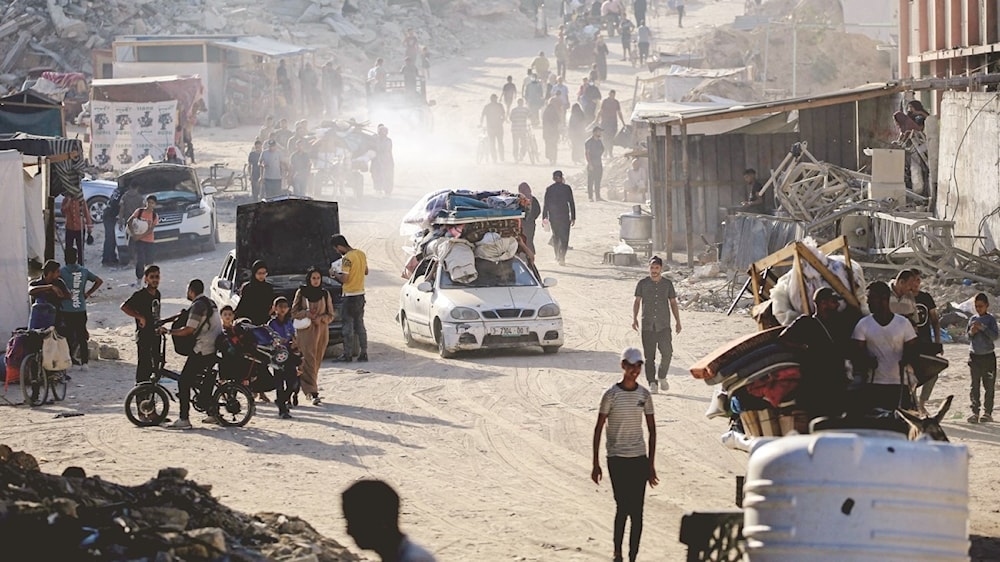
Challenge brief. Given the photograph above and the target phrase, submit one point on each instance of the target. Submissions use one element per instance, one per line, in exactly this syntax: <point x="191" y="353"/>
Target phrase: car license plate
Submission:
<point x="509" y="330"/>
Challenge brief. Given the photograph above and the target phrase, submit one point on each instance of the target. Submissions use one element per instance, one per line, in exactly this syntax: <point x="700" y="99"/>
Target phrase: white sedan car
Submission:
<point x="506" y="306"/>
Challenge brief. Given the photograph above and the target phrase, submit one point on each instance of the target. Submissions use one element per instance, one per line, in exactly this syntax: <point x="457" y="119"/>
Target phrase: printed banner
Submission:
<point x="122" y="133"/>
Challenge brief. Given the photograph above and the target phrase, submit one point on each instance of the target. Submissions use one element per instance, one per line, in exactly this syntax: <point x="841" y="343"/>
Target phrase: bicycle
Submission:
<point x="148" y="403"/>
<point x="530" y="146"/>
<point x="37" y="381"/>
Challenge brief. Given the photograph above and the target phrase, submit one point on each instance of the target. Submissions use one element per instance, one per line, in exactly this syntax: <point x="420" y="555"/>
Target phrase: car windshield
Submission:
<point x="509" y="273"/>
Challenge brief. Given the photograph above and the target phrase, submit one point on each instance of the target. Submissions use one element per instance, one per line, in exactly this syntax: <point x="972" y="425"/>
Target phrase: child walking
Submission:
<point x="286" y="377"/>
<point x="622" y="408"/>
<point x="982" y="332"/>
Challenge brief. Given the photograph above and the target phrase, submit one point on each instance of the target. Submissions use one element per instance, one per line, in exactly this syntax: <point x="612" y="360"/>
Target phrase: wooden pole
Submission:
<point x="668" y="191"/>
<point x="688" y="204"/>
<point x="656" y="179"/>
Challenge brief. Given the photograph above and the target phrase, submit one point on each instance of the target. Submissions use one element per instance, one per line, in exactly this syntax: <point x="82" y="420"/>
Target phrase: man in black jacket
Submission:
<point x="560" y="212"/>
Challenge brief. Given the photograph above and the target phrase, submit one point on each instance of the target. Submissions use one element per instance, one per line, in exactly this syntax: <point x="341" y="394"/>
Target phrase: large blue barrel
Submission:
<point x="43" y="315"/>
<point x="865" y="496"/>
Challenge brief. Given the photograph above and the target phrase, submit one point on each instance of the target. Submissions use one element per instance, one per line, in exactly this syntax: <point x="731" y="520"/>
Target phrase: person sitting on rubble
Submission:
<point x="754" y="203"/>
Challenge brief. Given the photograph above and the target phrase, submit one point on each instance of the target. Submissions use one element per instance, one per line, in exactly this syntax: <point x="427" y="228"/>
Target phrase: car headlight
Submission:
<point x="463" y="313"/>
<point x="549" y="310"/>
<point x="196" y="210"/>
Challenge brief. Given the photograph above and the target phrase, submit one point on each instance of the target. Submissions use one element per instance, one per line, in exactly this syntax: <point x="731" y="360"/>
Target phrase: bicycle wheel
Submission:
<point x="233" y="405"/>
<point x="57" y="384"/>
<point x="147" y="404"/>
<point x="33" y="384"/>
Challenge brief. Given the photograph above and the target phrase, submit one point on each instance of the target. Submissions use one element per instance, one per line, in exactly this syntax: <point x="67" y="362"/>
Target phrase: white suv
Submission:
<point x="186" y="210"/>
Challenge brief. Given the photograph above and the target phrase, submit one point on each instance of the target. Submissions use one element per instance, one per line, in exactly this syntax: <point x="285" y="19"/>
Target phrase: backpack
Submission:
<point x="184" y="345"/>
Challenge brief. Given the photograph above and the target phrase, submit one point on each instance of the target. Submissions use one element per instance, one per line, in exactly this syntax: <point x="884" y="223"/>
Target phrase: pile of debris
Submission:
<point x="75" y="517"/>
<point x="61" y="33"/>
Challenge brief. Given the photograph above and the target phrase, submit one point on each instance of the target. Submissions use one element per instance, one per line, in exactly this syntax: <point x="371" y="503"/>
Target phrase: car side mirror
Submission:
<point x="225" y="284"/>
<point x="425" y="287"/>
<point x="549" y="282"/>
<point x="208" y="190"/>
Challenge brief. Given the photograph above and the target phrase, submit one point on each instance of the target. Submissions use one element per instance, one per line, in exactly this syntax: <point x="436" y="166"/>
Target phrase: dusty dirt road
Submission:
<point x="490" y="452"/>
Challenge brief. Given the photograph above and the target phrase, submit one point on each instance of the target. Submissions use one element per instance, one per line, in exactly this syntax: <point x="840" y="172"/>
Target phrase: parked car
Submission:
<point x="290" y="234"/>
<point x="97" y="193"/>
<point x="506" y="306"/>
<point x="186" y="210"/>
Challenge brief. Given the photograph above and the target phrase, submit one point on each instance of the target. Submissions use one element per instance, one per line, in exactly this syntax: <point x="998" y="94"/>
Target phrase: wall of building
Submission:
<point x="969" y="166"/>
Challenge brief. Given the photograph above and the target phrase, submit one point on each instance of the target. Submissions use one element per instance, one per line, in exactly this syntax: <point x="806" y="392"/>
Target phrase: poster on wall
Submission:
<point x="122" y="133"/>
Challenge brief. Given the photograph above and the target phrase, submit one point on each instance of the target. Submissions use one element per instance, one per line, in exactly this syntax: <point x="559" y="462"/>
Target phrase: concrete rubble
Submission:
<point x="168" y="518"/>
<point x="61" y="33"/>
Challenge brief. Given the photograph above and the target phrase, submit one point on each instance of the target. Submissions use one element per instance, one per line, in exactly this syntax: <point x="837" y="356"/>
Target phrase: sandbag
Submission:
<point x="55" y="353"/>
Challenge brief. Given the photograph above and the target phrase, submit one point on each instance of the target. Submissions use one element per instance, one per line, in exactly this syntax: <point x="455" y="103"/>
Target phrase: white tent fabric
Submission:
<point x="34" y="217"/>
<point x="14" y="259"/>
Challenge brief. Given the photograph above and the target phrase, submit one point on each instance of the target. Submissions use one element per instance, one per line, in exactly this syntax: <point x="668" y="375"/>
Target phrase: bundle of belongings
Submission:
<point x="786" y="295"/>
<point x="465" y="230"/>
<point x="247" y="351"/>
<point x="757" y="378"/>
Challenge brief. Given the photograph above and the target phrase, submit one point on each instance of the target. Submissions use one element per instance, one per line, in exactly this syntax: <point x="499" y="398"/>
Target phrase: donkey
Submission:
<point x="923" y="427"/>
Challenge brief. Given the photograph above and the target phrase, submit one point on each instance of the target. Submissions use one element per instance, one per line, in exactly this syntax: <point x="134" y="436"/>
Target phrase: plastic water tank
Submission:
<point x="863" y="496"/>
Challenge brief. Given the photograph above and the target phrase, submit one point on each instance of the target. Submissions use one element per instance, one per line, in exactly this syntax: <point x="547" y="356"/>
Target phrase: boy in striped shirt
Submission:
<point x="622" y="409"/>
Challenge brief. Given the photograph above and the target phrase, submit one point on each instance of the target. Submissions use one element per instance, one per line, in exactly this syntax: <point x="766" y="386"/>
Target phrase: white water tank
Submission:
<point x="862" y="496"/>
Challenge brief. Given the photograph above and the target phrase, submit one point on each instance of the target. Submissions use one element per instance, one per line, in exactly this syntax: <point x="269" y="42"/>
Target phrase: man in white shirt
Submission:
<point x="885" y="341"/>
<point x="636" y="181"/>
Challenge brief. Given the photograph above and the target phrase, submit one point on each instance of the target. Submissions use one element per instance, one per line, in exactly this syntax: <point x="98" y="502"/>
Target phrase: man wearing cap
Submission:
<point x="594" y="152"/>
<point x="270" y="165"/>
<point x="656" y="297"/>
<point x="559" y="211"/>
<point x="821" y="356"/>
<point x="629" y="466"/>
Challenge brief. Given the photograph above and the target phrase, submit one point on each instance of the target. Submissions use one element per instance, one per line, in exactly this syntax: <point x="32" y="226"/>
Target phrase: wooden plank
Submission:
<point x="835" y="283"/>
<point x="669" y="188"/>
<point x="688" y="203"/>
<point x="797" y="258"/>
<point x="15" y="52"/>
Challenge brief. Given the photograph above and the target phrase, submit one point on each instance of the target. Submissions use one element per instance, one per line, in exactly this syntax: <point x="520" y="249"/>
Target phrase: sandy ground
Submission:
<point x="490" y="451"/>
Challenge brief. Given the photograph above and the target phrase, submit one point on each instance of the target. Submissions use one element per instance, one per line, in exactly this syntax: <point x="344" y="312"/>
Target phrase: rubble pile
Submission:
<point x="827" y="58"/>
<point x="75" y="517"/>
<point x="61" y="33"/>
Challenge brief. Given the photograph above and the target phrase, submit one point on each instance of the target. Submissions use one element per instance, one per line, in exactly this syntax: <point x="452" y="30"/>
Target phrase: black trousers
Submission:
<point x="594" y="176"/>
<point x="560" y="237"/>
<point x="110" y="246"/>
<point x="147" y="351"/>
<point x="143" y="256"/>
<point x="75" y="238"/>
<point x="194" y="367"/>
<point x="983" y="369"/>
<point x="75" y="329"/>
<point x="286" y="382"/>
<point x="628" y="481"/>
<point x="651" y="341"/>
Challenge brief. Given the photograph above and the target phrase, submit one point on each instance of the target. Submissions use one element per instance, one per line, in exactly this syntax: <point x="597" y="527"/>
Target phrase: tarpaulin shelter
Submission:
<point x="187" y="90"/>
<point x="33" y="113"/>
<point x="13" y="230"/>
<point x="59" y="163"/>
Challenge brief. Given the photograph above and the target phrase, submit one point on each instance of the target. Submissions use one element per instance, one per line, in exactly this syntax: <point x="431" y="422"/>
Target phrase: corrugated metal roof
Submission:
<point x="139" y="80"/>
<point x="687" y="116"/>
<point x="261" y="46"/>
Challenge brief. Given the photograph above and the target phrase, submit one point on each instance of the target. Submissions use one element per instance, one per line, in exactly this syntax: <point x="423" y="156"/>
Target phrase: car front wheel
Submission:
<point x="443" y="351"/>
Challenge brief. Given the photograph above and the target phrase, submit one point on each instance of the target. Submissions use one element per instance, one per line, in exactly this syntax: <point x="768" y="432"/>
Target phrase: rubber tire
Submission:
<point x="407" y="333"/>
<point x="207" y="243"/>
<point x="550" y="349"/>
<point x="101" y="203"/>
<point x="219" y="397"/>
<point x="32" y="375"/>
<point x="58" y="386"/>
<point x="439" y="339"/>
<point x="141" y="390"/>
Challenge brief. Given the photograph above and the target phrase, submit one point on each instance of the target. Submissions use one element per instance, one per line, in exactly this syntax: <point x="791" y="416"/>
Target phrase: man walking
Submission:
<point x="883" y="342"/>
<point x="300" y="168"/>
<point x="270" y="165"/>
<point x="205" y="325"/>
<point x="559" y="211"/>
<point x="493" y="116"/>
<point x="609" y="115"/>
<point x="74" y="309"/>
<point x="77" y="215"/>
<point x="629" y="466"/>
<point x="508" y="93"/>
<point x="351" y="276"/>
<point x="655" y="296"/>
<point x="519" y="129"/>
<point x="593" y="150"/>
<point x="928" y="327"/>
<point x="110" y="219"/>
<point x="253" y="161"/>
<point x="144" y="307"/>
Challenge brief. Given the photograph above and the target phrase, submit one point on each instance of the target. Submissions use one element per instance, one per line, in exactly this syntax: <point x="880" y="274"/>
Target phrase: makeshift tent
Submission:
<point x="33" y="113"/>
<point x="13" y="260"/>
